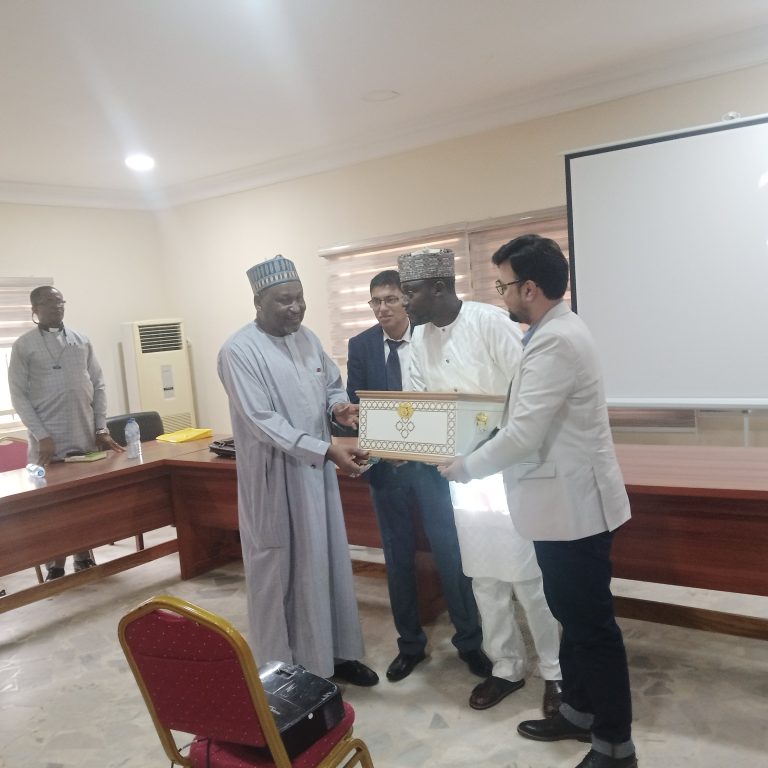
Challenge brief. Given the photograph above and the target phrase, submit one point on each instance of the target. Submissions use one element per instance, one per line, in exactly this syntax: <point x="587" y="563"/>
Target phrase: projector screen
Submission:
<point x="669" y="264"/>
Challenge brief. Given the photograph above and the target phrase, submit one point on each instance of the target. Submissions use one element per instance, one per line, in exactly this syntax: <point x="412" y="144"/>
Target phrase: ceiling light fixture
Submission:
<point x="140" y="163"/>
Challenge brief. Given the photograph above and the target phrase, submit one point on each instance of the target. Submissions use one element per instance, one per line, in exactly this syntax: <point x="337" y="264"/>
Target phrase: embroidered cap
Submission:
<point x="272" y="272"/>
<point x="426" y="263"/>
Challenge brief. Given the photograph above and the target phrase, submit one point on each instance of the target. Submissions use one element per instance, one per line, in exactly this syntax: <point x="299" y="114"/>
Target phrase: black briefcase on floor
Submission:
<point x="305" y="706"/>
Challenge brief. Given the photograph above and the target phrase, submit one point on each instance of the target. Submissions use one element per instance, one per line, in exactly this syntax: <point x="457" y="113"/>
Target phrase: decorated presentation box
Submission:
<point x="425" y="426"/>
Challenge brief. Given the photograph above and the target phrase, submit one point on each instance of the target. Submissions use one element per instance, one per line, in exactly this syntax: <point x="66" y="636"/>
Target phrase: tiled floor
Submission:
<point x="68" y="699"/>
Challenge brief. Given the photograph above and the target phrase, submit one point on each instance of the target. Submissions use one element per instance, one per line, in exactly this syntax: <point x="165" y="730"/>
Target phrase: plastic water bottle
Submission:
<point x="36" y="470"/>
<point x="132" y="439"/>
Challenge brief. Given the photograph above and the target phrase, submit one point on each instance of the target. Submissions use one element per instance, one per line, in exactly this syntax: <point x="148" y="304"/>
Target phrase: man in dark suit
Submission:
<point x="378" y="359"/>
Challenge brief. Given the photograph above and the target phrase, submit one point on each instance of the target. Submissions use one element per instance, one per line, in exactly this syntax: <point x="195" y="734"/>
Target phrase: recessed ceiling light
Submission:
<point x="379" y="95"/>
<point x="140" y="162"/>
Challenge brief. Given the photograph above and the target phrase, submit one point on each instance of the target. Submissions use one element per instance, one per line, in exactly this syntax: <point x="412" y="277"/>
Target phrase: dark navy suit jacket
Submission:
<point x="365" y="362"/>
<point x="365" y="370"/>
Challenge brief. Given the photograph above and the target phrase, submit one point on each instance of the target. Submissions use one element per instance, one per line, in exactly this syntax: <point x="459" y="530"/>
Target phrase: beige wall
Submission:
<point x="107" y="264"/>
<point x="206" y="247"/>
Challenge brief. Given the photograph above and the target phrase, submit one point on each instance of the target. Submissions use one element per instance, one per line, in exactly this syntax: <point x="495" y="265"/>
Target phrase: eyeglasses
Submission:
<point x="390" y="301"/>
<point x="502" y="287"/>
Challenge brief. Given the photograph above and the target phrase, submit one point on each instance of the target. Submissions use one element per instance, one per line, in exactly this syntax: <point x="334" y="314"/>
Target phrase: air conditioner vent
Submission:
<point x="158" y="374"/>
<point x="160" y="337"/>
<point x="177" y="421"/>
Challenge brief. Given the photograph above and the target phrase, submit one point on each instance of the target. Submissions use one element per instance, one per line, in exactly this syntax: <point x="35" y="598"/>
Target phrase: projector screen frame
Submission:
<point x="694" y="401"/>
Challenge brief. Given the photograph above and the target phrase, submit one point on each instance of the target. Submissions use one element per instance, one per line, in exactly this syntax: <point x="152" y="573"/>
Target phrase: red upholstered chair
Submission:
<point x="13" y="453"/>
<point x="198" y="676"/>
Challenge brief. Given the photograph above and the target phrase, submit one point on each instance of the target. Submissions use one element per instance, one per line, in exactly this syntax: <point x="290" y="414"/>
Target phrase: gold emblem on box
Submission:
<point x="405" y="411"/>
<point x="405" y="426"/>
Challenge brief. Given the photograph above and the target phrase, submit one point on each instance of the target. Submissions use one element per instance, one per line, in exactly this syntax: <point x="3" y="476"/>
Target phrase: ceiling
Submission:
<point x="232" y="94"/>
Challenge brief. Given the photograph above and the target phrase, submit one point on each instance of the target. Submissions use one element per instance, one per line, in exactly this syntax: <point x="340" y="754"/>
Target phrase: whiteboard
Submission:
<point x="669" y="264"/>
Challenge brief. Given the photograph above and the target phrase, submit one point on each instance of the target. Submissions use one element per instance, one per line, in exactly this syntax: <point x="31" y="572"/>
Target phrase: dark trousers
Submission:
<point x="399" y="493"/>
<point x="577" y="585"/>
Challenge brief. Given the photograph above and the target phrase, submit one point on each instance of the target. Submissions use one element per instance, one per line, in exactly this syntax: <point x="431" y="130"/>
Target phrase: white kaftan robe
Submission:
<point x="302" y="604"/>
<point x="57" y="388"/>
<point x="478" y="353"/>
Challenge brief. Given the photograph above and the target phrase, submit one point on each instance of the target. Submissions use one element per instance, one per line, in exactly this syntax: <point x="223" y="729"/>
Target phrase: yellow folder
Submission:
<point x="185" y="435"/>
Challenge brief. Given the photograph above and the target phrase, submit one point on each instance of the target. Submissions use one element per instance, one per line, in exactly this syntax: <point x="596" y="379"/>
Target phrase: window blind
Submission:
<point x="15" y="320"/>
<point x="483" y="243"/>
<point x="349" y="277"/>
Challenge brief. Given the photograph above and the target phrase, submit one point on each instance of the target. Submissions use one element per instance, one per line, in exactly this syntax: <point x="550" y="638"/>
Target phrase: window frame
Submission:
<point x="15" y="321"/>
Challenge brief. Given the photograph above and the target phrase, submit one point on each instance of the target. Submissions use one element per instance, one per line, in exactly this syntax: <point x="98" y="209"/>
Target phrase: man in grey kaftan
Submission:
<point x="57" y="388"/>
<point x="283" y="389"/>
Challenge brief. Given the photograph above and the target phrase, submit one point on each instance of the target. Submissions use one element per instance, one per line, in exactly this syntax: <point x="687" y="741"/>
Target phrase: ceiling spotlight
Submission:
<point x="140" y="162"/>
<point x="731" y="115"/>
<point x="379" y="95"/>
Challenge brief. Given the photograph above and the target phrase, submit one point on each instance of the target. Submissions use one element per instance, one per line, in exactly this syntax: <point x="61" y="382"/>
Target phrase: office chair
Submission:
<point x="197" y="675"/>
<point x="13" y="455"/>
<point x="150" y="426"/>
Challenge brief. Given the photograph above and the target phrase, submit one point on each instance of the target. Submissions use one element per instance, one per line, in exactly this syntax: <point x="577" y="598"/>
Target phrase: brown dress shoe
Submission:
<point x="492" y="691"/>
<point x="553" y="697"/>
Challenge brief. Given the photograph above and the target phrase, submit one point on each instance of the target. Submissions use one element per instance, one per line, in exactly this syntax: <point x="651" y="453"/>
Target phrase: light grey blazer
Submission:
<point x="555" y="448"/>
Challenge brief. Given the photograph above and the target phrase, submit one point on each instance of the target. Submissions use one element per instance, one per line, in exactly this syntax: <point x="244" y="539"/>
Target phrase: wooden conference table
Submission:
<point x="80" y="506"/>
<point x="699" y="519"/>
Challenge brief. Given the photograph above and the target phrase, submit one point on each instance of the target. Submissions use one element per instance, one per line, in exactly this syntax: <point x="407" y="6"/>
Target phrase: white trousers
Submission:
<point x="503" y="642"/>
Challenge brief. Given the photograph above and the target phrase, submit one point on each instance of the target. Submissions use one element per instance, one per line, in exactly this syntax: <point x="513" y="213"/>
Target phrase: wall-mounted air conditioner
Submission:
<point x="158" y="374"/>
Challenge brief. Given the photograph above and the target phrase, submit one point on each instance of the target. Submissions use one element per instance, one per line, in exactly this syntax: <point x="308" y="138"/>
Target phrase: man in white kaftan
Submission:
<point x="472" y="347"/>
<point x="283" y="389"/>
<point x="57" y="388"/>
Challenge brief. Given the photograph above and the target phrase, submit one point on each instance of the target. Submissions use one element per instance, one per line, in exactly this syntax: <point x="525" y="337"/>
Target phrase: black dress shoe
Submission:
<point x="556" y="728"/>
<point x="403" y="665"/>
<point x="553" y="697"/>
<point x="54" y="573"/>
<point x="599" y="760"/>
<point x="355" y="673"/>
<point x="479" y="664"/>
<point x="492" y="691"/>
<point x="84" y="565"/>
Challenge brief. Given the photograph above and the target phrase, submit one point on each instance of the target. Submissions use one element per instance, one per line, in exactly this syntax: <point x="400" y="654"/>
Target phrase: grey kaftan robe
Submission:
<point x="57" y="388"/>
<point x="302" y="604"/>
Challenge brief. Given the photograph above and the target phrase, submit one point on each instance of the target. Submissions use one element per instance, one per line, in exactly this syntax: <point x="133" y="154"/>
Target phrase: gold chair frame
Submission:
<point x="348" y="752"/>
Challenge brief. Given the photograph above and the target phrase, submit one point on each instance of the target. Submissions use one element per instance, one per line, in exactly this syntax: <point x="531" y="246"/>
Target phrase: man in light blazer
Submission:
<point x="566" y="493"/>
